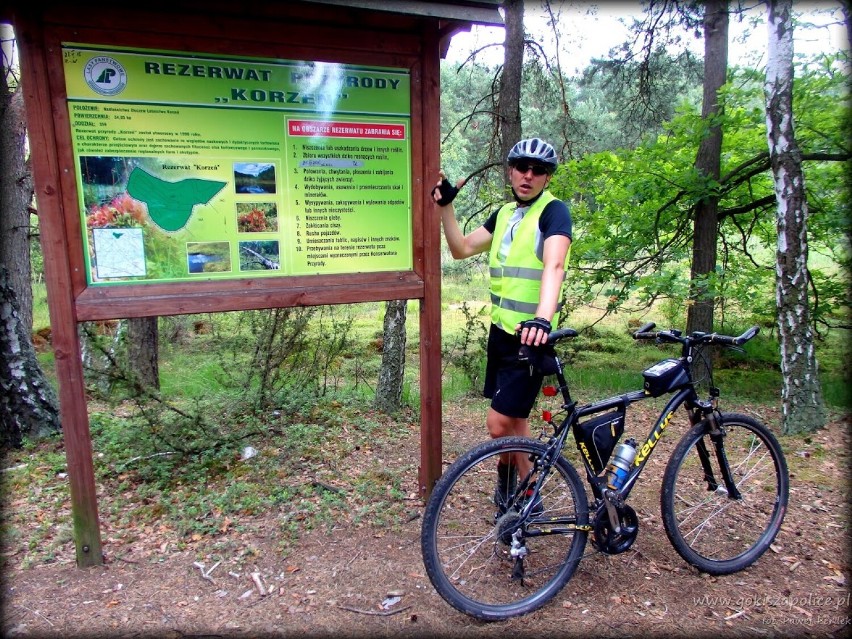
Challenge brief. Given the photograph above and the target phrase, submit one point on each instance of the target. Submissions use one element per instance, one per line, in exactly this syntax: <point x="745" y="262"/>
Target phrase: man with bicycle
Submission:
<point x="528" y="241"/>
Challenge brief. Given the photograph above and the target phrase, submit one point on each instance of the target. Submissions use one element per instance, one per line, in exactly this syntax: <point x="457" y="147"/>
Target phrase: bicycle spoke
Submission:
<point x="468" y="540"/>
<point x="749" y="473"/>
<point x="463" y="552"/>
<point x="710" y="529"/>
<point x="692" y="535"/>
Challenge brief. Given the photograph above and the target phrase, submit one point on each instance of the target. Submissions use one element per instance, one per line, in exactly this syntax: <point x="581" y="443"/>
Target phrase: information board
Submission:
<point x="196" y="166"/>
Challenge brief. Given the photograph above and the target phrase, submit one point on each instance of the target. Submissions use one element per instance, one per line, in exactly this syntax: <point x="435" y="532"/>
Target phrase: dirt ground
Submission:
<point x="336" y="583"/>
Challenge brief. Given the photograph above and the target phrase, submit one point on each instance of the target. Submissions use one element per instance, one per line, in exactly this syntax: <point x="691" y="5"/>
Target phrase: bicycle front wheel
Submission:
<point x="492" y="564"/>
<point x="717" y="532"/>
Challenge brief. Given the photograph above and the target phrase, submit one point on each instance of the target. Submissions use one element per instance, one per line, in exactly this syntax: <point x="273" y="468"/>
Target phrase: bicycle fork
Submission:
<point x="717" y="436"/>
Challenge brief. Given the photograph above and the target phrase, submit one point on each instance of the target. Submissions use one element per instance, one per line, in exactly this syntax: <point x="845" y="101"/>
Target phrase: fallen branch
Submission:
<point x="206" y="575"/>
<point x="37" y="613"/>
<point x="255" y="576"/>
<point x="332" y="489"/>
<point x="376" y="613"/>
<point x="12" y="468"/>
<point x="144" y="457"/>
<point x="735" y="615"/>
<point x="349" y="563"/>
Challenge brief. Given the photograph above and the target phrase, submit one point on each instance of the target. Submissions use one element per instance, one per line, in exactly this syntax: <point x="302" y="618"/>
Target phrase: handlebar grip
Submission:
<point x="645" y="331"/>
<point x="742" y="339"/>
<point x="734" y="341"/>
<point x="561" y="333"/>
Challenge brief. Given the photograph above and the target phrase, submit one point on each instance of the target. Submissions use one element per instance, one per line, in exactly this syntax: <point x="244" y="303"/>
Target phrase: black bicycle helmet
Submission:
<point x="534" y="149"/>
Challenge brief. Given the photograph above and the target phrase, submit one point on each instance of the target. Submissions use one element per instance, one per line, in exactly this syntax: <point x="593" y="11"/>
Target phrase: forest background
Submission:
<point x="628" y="128"/>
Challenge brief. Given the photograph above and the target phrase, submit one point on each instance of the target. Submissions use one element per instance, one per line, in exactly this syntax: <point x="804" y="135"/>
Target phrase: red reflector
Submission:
<point x="549" y="391"/>
<point x="546" y="415"/>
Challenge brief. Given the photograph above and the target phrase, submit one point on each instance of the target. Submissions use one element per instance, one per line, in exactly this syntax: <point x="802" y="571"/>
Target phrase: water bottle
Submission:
<point x="619" y="465"/>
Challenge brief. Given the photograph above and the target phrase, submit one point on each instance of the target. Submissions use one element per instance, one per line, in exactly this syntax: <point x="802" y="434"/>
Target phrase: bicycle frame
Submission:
<point x="687" y="396"/>
<point x="683" y="395"/>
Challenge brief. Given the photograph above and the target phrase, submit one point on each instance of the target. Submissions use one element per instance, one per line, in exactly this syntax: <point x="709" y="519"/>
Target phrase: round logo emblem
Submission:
<point x="105" y="75"/>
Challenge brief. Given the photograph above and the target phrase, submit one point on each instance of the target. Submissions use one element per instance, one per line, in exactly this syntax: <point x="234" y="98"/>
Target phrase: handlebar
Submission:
<point x="698" y="337"/>
<point x="561" y="333"/>
<point x="674" y="336"/>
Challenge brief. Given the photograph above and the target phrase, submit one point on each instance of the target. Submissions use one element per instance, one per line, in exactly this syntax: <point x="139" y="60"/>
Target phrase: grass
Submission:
<point x="316" y="460"/>
<point x="308" y="470"/>
<point x="602" y="359"/>
<point x="41" y="316"/>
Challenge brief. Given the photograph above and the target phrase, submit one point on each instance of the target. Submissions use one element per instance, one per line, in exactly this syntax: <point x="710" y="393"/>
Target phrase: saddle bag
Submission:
<point x="597" y="437"/>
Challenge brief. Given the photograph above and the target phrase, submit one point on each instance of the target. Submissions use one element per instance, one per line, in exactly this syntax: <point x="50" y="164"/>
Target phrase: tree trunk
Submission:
<point x="803" y="409"/>
<point x="847" y="19"/>
<point x="708" y="163"/>
<point x="28" y="406"/>
<point x="143" y="350"/>
<point x="16" y="193"/>
<point x="509" y="102"/>
<point x="100" y="351"/>
<point x="392" y="373"/>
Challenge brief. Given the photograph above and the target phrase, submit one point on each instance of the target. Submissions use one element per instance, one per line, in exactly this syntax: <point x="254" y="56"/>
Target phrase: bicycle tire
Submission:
<point x="718" y="535"/>
<point x="467" y="561"/>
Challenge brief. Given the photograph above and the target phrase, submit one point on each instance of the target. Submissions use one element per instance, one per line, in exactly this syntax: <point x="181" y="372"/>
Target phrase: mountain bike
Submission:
<point x="723" y="496"/>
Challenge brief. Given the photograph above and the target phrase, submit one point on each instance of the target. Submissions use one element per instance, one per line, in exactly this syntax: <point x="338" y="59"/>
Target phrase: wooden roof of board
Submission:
<point x="471" y="11"/>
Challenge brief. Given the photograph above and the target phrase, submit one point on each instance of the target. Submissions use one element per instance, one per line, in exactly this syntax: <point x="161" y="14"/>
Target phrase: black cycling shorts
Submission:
<point x="510" y="384"/>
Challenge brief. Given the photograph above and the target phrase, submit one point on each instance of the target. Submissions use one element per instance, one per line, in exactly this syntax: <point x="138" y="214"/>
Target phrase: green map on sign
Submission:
<point x="170" y="204"/>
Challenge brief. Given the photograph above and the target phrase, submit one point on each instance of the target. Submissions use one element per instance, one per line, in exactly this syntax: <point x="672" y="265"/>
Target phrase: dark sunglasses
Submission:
<point x="537" y="169"/>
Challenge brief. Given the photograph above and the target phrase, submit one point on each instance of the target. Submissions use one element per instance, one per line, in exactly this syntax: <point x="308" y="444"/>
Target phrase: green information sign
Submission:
<point x="193" y="166"/>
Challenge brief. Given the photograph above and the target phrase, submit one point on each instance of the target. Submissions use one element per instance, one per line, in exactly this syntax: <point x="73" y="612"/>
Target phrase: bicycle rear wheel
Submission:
<point x="466" y="543"/>
<point x="714" y="532"/>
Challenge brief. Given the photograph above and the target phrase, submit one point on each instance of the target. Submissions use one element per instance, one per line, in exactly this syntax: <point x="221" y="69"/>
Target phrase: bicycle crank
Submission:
<point x="614" y="542"/>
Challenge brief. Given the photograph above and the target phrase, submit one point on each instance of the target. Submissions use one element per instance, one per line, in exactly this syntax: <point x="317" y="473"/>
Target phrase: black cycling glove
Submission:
<point x="538" y="322"/>
<point x="448" y="192"/>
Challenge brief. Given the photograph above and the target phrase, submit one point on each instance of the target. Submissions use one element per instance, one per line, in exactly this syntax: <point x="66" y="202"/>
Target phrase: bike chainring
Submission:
<point x="606" y="540"/>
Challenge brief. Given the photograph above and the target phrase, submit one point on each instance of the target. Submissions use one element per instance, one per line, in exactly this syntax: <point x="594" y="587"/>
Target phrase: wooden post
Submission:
<point x="78" y="443"/>
<point x="430" y="305"/>
<point x="66" y="345"/>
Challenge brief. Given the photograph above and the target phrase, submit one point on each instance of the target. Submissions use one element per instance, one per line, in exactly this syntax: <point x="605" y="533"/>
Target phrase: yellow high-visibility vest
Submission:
<point x="516" y="278"/>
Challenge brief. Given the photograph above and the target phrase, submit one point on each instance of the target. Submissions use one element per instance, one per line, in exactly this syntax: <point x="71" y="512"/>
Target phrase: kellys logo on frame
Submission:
<point x="105" y="75"/>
